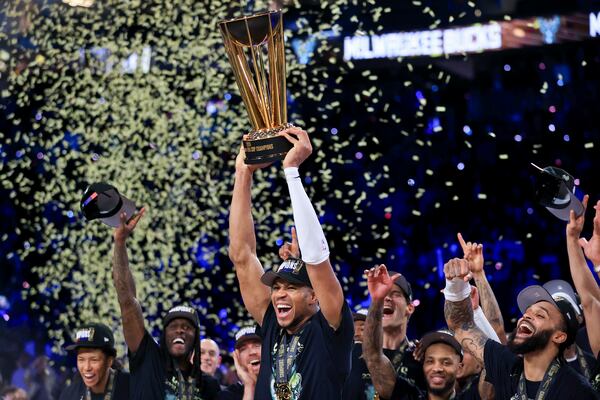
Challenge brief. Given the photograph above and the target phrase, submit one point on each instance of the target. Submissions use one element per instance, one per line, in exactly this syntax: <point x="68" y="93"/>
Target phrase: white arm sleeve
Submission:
<point x="311" y="238"/>
<point x="485" y="326"/>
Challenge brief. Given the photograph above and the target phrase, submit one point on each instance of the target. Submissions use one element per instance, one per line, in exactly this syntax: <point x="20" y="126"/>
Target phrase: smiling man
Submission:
<point x="306" y="325"/>
<point x="390" y="310"/>
<point x="442" y="362"/>
<point x="170" y="370"/>
<point x="94" y="346"/>
<point x="248" y="345"/>
<point x="531" y="366"/>
<point x="210" y="357"/>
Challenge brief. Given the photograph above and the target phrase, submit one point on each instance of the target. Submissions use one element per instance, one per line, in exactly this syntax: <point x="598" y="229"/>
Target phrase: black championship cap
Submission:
<point x="535" y="293"/>
<point x="98" y="336"/>
<point x="562" y="290"/>
<point x="403" y="284"/>
<point x="103" y="201"/>
<point x="555" y="190"/>
<point x="182" y="311"/>
<point x="246" y="334"/>
<point x="292" y="270"/>
<point x="441" y="337"/>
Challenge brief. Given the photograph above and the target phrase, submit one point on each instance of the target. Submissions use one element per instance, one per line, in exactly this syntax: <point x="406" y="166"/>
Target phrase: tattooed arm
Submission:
<point x="382" y="371"/>
<point x="474" y="253"/>
<point x="459" y="317"/>
<point x="131" y="311"/>
<point x="459" y="313"/>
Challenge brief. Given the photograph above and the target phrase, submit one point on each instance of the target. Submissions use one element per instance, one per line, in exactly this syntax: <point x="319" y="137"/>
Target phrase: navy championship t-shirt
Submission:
<point x="150" y="381"/>
<point x="503" y="370"/>
<point x="321" y="362"/>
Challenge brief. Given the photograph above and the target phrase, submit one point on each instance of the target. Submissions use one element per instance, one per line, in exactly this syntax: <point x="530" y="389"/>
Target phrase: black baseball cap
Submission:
<point x="292" y="270"/>
<point x="103" y="201"/>
<point x="403" y="284"/>
<point x="94" y="335"/>
<point x="562" y="290"/>
<point x="555" y="190"/>
<point x="441" y="337"/>
<point x="535" y="293"/>
<point x="182" y="311"/>
<point x="246" y="334"/>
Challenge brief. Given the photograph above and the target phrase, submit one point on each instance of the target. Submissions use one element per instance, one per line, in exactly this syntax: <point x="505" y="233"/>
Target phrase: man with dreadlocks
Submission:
<point x="170" y="370"/>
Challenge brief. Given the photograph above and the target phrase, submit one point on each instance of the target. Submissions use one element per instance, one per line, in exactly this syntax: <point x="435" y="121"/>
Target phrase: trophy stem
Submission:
<point x="260" y="79"/>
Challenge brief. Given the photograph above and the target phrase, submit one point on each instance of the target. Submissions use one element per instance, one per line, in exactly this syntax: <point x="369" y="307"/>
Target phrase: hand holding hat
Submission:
<point x="591" y="247"/>
<point x="555" y="190"/>
<point x="127" y="226"/>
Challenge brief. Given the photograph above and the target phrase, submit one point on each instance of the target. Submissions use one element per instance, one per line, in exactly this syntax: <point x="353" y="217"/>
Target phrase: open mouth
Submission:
<point x="438" y="380"/>
<point x="387" y="312"/>
<point x="255" y="363"/>
<point x="283" y="310"/>
<point x="178" y="341"/>
<point x="525" y="330"/>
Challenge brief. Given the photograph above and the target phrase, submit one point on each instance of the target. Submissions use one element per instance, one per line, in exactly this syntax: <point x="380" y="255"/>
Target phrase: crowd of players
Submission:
<point x="307" y="344"/>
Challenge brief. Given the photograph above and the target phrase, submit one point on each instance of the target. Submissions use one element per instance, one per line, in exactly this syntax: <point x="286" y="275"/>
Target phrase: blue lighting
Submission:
<point x="227" y="96"/>
<point x="507" y="68"/>
<point x="467" y="130"/>
<point x="460" y="166"/>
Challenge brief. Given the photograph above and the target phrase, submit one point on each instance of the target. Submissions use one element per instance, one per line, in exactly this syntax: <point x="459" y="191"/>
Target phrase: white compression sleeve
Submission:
<point x="482" y="323"/>
<point x="311" y="238"/>
<point x="457" y="290"/>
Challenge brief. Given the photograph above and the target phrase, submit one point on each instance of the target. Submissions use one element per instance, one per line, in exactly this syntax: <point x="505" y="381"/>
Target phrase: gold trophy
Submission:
<point x="254" y="45"/>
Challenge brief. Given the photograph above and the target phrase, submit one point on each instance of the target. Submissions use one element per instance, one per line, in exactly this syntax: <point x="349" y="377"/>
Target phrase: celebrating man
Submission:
<point x="95" y="350"/>
<point x="546" y="328"/>
<point x="305" y="322"/>
<point x="165" y="371"/>
<point x="390" y="310"/>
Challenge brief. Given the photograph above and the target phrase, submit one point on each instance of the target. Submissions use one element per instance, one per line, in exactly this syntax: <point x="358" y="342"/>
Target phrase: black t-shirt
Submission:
<point x="359" y="386"/>
<point x="503" y="370"/>
<point x="150" y="381"/>
<point x="405" y="390"/>
<point x="77" y="389"/>
<point x="232" y="392"/>
<point x="322" y="361"/>
<point x="588" y="361"/>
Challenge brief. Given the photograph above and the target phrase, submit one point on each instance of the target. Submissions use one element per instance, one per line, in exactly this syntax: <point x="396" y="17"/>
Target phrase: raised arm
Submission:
<point x="131" y="311"/>
<point x="458" y="309"/>
<point x="584" y="281"/>
<point x="242" y="243"/>
<point x="474" y="253"/>
<point x="380" y="367"/>
<point x="311" y="239"/>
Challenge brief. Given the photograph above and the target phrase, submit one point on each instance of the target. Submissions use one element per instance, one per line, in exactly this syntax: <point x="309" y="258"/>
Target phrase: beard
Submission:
<point x="535" y="342"/>
<point x="442" y="390"/>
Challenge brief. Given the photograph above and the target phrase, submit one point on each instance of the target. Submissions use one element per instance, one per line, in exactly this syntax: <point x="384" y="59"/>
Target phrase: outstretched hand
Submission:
<point x="379" y="282"/>
<point x="127" y="225"/>
<point x="290" y="250"/>
<point x="302" y="147"/>
<point x="591" y="248"/>
<point x="473" y="252"/>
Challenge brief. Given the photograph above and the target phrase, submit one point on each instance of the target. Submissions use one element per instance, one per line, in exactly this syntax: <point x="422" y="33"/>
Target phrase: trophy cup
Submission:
<point x="254" y="45"/>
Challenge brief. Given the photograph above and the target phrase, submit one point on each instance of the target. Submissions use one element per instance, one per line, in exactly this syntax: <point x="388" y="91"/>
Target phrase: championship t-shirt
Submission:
<point x="504" y="368"/>
<point x="359" y="385"/>
<point x="77" y="389"/>
<point x="150" y="380"/>
<point x="319" y="357"/>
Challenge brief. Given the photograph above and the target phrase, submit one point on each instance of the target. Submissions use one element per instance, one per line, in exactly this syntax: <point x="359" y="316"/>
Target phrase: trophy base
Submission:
<point x="267" y="150"/>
